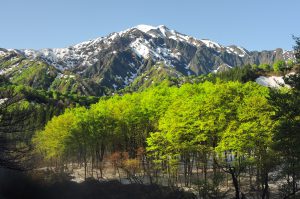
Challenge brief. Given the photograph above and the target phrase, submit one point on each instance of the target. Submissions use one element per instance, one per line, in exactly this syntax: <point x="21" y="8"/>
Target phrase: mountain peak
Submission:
<point x="145" y="28"/>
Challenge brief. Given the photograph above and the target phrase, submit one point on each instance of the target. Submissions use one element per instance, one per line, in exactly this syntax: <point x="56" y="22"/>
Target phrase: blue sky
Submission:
<point x="253" y="24"/>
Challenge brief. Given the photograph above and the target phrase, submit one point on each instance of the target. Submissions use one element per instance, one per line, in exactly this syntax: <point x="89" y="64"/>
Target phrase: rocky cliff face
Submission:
<point x="114" y="61"/>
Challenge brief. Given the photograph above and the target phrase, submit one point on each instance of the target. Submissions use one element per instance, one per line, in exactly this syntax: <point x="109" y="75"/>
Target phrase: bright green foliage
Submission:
<point x="186" y="116"/>
<point x="208" y="119"/>
<point x="249" y="136"/>
<point x="118" y="123"/>
<point x="290" y="64"/>
<point x="279" y="66"/>
<point x="254" y="66"/>
<point x="252" y="123"/>
<point x="265" y="67"/>
<point x="52" y="141"/>
<point x="198" y="125"/>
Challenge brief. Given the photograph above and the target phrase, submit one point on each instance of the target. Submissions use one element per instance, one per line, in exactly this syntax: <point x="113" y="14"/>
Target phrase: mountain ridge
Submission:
<point x="116" y="60"/>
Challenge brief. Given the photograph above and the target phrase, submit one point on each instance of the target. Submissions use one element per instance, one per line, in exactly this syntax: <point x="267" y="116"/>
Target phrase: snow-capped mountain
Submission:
<point x="118" y="59"/>
<point x="85" y="53"/>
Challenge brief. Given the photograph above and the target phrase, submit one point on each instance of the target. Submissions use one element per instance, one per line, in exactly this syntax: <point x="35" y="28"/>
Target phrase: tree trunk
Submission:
<point x="250" y="176"/>
<point x="294" y="180"/>
<point x="235" y="184"/>
<point x="205" y="179"/>
<point x="265" y="194"/>
<point x="85" y="168"/>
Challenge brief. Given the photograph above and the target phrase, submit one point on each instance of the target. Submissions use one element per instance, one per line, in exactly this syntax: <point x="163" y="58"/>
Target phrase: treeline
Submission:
<point x="197" y="135"/>
<point x="251" y="72"/>
<point x="242" y="74"/>
<point x="279" y="66"/>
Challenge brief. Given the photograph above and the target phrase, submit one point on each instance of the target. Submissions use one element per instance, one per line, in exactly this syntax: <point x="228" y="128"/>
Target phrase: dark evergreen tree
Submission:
<point x="287" y="135"/>
<point x="14" y="148"/>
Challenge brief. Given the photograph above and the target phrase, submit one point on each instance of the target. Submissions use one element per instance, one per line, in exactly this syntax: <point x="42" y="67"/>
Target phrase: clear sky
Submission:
<point x="253" y="24"/>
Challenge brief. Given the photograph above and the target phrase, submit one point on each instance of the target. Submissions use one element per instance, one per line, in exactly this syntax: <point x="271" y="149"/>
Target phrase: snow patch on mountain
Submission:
<point x="4" y="71"/>
<point x="5" y="52"/>
<point x="222" y="67"/>
<point x="66" y="58"/>
<point x="63" y="76"/>
<point x="144" y="48"/>
<point x="273" y="81"/>
<point x="243" y="52"/>
<point x="288" y="55"/>
<point x="130" y="78"/>
<point x="210" y="43"/>
<point x="163" y="31"/>
<point x="236" y="50"/>
<point x="145" y="28"/>
<point x="2" y="53"/>
<point x="141" y="48"/>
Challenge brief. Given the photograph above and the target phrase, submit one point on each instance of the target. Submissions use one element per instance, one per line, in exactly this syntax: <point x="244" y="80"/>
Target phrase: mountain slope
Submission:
<point x="98" y="66"/>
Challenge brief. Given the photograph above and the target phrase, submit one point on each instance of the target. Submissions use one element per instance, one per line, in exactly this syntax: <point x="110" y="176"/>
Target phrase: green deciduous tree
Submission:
<point x="265" y="67"/>
<point x="279" y="66"/>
